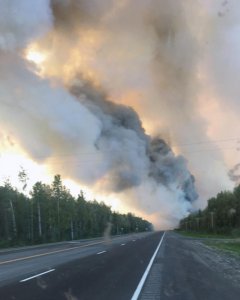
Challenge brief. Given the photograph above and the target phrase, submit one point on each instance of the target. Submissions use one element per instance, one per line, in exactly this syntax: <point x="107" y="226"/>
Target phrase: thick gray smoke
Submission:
<point x="150" y="57"/>
<point x="132" y="155"/>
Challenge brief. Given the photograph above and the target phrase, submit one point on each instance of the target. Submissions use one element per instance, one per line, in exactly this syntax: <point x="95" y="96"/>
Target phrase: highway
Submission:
<point x="92" y="269"/>
<point x="149" y="266"/>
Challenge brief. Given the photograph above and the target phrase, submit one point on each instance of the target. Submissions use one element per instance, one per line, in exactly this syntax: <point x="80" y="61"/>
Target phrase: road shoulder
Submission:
<point x="189" y="269"/>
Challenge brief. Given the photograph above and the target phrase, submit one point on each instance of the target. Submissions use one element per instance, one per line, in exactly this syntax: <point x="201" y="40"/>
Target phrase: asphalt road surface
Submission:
<point x="112" y="270"/>
<point x="94" y="269"/>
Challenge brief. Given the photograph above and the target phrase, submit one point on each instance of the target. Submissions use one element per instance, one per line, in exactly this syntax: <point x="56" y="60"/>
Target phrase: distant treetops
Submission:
<point x="222" y="215"/>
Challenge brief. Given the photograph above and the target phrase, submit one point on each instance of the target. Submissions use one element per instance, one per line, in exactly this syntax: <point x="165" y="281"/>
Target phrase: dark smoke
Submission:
<point x="119" y="122"/>
<point x="233" y="173"/>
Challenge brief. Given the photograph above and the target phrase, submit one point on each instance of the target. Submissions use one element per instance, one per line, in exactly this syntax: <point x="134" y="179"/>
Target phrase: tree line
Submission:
<point x="222" y="215"/>
<point x="50" y="213"/>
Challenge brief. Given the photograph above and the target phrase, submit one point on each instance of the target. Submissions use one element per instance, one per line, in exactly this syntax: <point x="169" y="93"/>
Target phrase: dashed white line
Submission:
<point x="101" y="252"/>
<point x="144" y="277"/>
<point x="40" y="274"/>
<point x="123" y="244"/>
<point x="134" y="240"/>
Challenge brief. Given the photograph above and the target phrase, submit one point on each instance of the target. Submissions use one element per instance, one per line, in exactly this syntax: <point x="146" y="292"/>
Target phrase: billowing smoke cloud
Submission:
<point x="105" y="60"/>
<point x="49" y="123"/>
<point x="132" y="156"/>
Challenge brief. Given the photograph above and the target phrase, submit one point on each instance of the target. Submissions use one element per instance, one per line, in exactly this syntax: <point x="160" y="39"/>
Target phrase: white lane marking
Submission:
<point x="134" y="240"/>
<point x="101" y="252"/>
<point x="143" y="279"/>
<point x="123" y="244"/>
<point x="40" y="274"/>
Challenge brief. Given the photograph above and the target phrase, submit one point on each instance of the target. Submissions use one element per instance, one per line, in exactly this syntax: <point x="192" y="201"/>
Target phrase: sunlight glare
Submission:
<point x="35" y="56"/>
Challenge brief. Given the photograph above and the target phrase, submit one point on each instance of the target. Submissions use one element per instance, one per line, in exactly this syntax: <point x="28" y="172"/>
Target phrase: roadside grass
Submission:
<point x="228" y="246"/>
<point x="227" y="243"/>
<point x="204" y="235"/>
<point x="10" y="244"/>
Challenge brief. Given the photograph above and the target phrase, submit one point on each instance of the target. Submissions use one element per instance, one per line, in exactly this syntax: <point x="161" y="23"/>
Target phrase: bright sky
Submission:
<point x="13" y="160"/>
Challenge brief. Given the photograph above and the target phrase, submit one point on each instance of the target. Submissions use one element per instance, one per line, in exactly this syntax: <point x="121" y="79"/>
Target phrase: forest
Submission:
<point x="221" y="216"/>
<point x="49" y="213"/>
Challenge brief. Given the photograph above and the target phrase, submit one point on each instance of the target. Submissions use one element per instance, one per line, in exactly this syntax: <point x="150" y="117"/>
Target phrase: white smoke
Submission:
<point x="23" y="20"/>
<point x="42" y="117"/>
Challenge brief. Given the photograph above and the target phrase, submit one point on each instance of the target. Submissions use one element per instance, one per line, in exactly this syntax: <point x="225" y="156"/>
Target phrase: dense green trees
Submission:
<point x="222" y="215"/>
<point x="51" y="213"/>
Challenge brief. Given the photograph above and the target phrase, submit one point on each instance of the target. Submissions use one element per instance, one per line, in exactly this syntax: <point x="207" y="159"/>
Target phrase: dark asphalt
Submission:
<point x="113" y="274"/>
<point x="16" y="264"/>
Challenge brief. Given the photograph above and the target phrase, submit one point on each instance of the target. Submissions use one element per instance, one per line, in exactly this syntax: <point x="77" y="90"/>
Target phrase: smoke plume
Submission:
<point x="118" y="93"/>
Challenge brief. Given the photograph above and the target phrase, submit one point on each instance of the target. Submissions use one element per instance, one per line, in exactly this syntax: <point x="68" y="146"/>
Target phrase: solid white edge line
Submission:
<point x="29" y="278"/>
<point x="101" y="252"/>
<point x="143" y="279"/>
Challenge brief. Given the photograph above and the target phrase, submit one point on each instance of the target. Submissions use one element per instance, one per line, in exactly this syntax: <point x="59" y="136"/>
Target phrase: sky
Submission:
<point x="135" y="104"/>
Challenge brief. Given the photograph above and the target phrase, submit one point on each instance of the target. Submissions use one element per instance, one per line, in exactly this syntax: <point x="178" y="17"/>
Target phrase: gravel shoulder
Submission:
<point x="221" y="261"/>
<point x="189" y="269"/>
